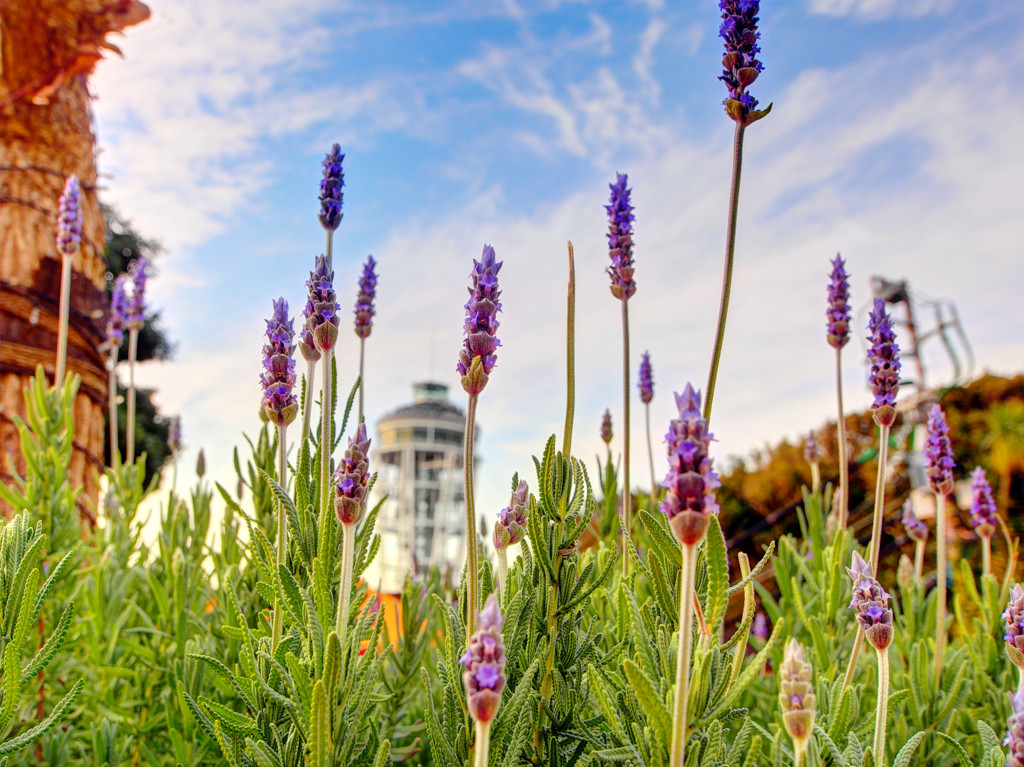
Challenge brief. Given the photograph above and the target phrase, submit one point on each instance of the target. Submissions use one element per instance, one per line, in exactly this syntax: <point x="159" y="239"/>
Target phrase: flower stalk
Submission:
<point x="133" y="350"/>
<point x="680" y="708"/>
<point x="282" y="533"/>
<point x="351" y="485"/>
<point x="69" y="238"/>
<point x="472" y="600"/>
<point x="881" y="706"/>
<point x="837" y="315"/>
<point x="939" y="463"/>
<point x="364" y="312"/>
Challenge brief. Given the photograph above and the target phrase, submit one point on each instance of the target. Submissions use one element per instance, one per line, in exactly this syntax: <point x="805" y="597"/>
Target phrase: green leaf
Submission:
<point x="650" y="701"/>
<point x="46" y="725"/>
<point x="718" y="575"/>
<point x="989" y="739"/>
<point x="320" y="728"/>
<point x="961" y="755"/>
<point x="907" y="751"/>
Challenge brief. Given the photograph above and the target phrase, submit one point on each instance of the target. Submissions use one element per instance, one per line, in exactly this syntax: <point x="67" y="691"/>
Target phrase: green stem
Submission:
<point x="502" y="571"/>
<point x="882" y="707"/>
<point x="282" y="532"/>
<point x="940" y="583"/>
<point x="570" y="358"/>
<point x="483" y="744"/>
<point x="133" y="346"/>
<point x="1020" y="679"/>
<point x="112" y="406"/>
<point x="844" y="469"/>
<point x="875" y="551"/>
<point x="852" y="665"/>
<point x="986" y="554"/>
<point x="799" y="752"/>
<point x="918" y="562"/>
<point x="472" y="601"/>
<point x="730" y="249"/>
<point x="308" y="404"/>
<point x="650" y="458"/>
<point x="327" y="516"/>
<point x="748" y="607"/>
<point x="680" y="715"/>
<point x="329" y="253"/>
<point x="62" y="325"/>
<point x="362" y="353"/>
<point x="348" y="547"/>
<point x="815" y="477"/>
<point x="627" y="498"/>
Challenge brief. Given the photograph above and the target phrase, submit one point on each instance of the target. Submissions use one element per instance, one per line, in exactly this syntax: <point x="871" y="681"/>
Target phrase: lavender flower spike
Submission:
<point x="364" y="301"/>
<point x="983" y="506"/>
<point x="606" y="427"/>
<point x="118" y="318"/>
<point x="174" y="435"/>
<point x="796" y="695"/>
<point x="352" y="477"/>
<point x="871" y="602"/>
<point x="645" y="381"/>
<point x="691" y="482"/>
<point x="885" y="365"/>
<point x="484" y="660"/>
<point x="620" y="239"/>
<point x="812" y="453"/>
<point x="278" y="377"/>
<point x="510" y="526"/>
<point x="740" y="66"/>
<point x="322" y="307"/>
<point x="331" y="186"/>
<point x="938" y="453"/>
<point x="916" y="529"/>
<point x="136" y="308"/>
<point x="477" y="358"/>
<point x="69" y="217"/>
<point x="838" y="311"/>
<point x="1015" y="731"/>
<point x="1013" y="622"/>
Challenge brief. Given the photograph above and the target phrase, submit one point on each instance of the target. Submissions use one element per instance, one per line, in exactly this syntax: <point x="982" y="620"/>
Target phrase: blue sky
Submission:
<point x="894" y="139"/>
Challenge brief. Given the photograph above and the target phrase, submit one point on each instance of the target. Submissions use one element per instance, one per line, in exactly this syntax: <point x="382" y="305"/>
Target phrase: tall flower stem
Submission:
<point x="329" y="249"/>
<point x="472" y="600"/>
<point x="502" y="571"/>
<point x="882" y="706"/>
<point x="483" y="744"/>
<point x="570" y="358"/>
<point x="362" y="381"/>
<point x="627" y="496"/>
<point x="986" y="555"/>
<point x="852" y="664"/>
<point x="62" y="327"/>
<point x="799" y="753"/>
<point x="875" y="552"/>
<point x="918" y="561"/>
<point x="307" y="405"/>
<point x="650" y="458"/>
<point x="1020" y="679"/>
<point x="348" y="547"/>
<point x="112" y="405"/>
<point x="730" y="249"/>
<point x="940" y="584"/>
<point x="680" y="714"/>
<point x="844" y="469"/>
<point x="282" y="531"/>
<point x="133" y="347"/>
<point x="326" y="438"/>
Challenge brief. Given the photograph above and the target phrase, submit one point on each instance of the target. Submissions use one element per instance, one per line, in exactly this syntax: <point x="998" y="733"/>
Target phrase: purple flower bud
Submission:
<point x="606" y="427"/>
<point x="364" y="301"/>
<point x="796" y="695"/>
<point x="118" y="317"/>
<point x="1013" y="623"/>
<point x="69" y="217"/>
<point x="484" y="660"/>
<point x="331" y="185"/>
<point x="136" y="296"/>
<point x="477" y="358"/>
<point x="278" y="377"/>
<point x="620" y="239"/>
<point x="983" y="505"/>
<point x="838" y="311"/>
<point x="510" y="526"/>
<point x="812" y="453"/>
<point x="321" y="311"/>
<point x="760" y="627"/>
<point x="174" y="434"/>
<point x="885" y="364"/>
<point x="1015" y="731"/>
<point x="352" y="477"/>
<point x="938" y="453"/>
<point x="740" y="66"/>
<point x="916" y="529"/>
<point x="645" y="381"/>
<point x="871" y="603"/>
<point x="690" y="498"/>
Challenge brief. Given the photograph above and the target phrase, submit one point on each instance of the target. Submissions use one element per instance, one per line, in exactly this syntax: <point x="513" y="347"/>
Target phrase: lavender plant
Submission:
<point x="135" y="317"/>
<point x="939" y="462"/>
<point x="331" y="198"/>
<point x="983" y="515"/>
<point x="645" y="383"/>
<point x="837" y="315"/>
<point x="117" y="321"/>
<point x="364" y="319"/>
<point x="917" y="531"/>
<point x="69" y="238"/>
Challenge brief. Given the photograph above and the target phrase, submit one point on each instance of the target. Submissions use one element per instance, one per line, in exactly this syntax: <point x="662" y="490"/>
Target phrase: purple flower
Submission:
<point x="330" y="189"/>
<point x="136" y="297"/>
<point x="510" y="526"/>
<point x="1013" y="622"/>
<point x="871" y="602"/>
<point x="812" y="453"/>
<point x="174" y="434"/>
<point x="620" y="239"/>
<point x="740" y="66"/>
<point x="1015" y="731"/>
<point x="885" y="364"/>
<point x="118" y="317"/>
<point x="838" y="311"/>
<point x="352" y="477"/>
<point x="915" y="528"/>
<point x="69" y="217"/>
<point x="364" y="301"/>
<point x="278" y="377"/>
<point x="760" y="627"/>
<point x="321" y="311"/>
<point x="484" y="660"/>
<point x="606" y="427"/>
<point x="938" y="453"/>
<point x="477" y="358"/>
<point x="983" y="505"/>
<point x="645" y="381"/>
<point x="691" y="482"/>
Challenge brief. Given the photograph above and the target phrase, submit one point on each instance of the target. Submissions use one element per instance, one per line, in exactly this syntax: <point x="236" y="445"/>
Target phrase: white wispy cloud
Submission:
<point x="876" y="10"/>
